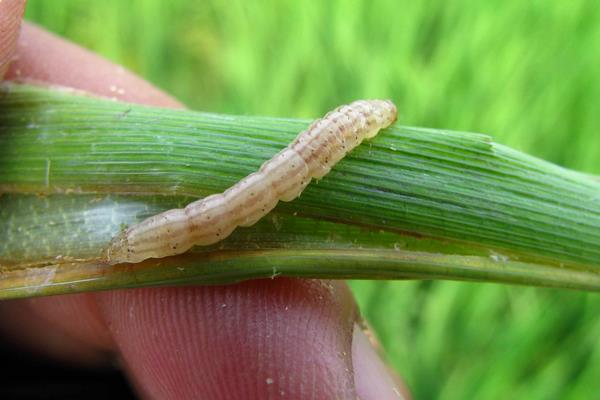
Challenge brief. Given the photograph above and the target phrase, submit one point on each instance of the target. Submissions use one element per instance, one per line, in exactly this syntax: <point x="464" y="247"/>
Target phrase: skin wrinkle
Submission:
<point x="280" y="177"/>
<point x="10" y="20"/>
<point x="261" y="344"/>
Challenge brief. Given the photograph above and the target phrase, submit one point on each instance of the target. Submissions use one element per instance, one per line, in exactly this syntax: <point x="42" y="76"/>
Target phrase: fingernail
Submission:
<point x="372" y="377"/>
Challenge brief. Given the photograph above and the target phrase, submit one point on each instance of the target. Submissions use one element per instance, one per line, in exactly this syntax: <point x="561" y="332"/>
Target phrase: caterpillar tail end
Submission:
<point x="118" y="250"/>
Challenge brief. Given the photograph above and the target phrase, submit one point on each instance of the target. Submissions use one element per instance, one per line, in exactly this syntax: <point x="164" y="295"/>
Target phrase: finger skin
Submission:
<point x="373" y="378"/>
<point x="259" y="339"/>
<point x="44" y="57"/>
<point x="255" y="340"/>
<point x="11" y="12"/>
<point x="66" y="328"/>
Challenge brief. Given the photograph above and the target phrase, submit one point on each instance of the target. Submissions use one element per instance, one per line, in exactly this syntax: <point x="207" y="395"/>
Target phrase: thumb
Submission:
<point x="11" y="12"/>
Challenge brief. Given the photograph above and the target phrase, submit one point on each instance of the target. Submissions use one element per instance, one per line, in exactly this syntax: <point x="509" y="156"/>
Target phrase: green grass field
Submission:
<point x="525" y="72"/>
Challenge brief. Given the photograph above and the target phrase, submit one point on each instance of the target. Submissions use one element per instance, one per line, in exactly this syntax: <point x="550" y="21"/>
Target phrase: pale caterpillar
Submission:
<point x="213" y="218"/>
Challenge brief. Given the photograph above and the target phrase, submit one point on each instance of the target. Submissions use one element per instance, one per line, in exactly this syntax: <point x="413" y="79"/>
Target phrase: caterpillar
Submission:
<point x="211" y="219"/>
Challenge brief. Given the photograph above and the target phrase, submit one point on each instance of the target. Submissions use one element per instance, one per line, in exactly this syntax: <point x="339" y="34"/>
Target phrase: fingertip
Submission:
<point x="372" y="377"/>
<point x="11" y="13"/>
<point x="255" y="340"/>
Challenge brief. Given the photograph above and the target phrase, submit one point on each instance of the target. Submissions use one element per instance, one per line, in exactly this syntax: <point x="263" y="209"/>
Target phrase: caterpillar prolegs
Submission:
<point x="213" y="218"/>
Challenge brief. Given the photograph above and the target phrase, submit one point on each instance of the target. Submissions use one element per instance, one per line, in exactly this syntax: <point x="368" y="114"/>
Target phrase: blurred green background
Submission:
<point x="526" y="72"/>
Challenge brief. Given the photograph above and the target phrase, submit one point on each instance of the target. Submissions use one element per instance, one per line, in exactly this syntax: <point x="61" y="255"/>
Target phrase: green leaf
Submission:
<point x="412" y="203"/>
